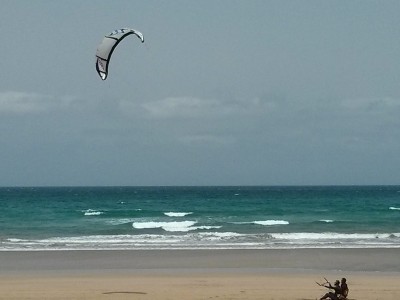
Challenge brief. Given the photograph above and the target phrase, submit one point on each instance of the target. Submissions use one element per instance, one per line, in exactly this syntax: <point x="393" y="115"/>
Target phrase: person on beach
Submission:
<point x="332" y="295"/>
<point x="344" y="289"/>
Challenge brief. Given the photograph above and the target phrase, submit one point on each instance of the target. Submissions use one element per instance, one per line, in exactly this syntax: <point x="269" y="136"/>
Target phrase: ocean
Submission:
<point x="116" y="218"/>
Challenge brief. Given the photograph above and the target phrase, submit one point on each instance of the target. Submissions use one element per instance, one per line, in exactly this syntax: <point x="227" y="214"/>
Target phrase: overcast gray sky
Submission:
<point x="220" y="93"/>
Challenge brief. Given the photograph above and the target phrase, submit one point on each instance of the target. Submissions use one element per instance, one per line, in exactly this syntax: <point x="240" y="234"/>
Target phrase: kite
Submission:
<point x="107" y="46"/>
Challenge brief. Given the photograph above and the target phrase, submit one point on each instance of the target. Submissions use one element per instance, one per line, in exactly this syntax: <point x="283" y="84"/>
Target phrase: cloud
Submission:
<point x="14" y="102"/>
<point x="371" y="104"/>
<point x="22" y="103"/>
<point x="181" y="107"/>
<point x="191" y="107"/>
<point x="207" y="139"/>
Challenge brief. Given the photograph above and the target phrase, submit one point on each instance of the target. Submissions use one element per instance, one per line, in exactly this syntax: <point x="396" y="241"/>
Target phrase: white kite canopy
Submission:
<point x="107" y="46"/>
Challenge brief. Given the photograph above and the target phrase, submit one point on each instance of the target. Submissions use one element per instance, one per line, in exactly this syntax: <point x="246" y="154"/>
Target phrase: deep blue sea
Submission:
<point x="70" y="218"/>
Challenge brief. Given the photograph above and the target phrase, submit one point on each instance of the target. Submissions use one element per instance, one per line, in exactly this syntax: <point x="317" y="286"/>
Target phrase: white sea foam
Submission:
<point x="394" y="208"/>
<point x="271" y="222"/>
<point x="92" y="212"/>
<point x="14" y="240"/>
<point x="333" y="236"/>
<point x="207" y="240"/>
<point x="177" y="214"/>
<point x="326" y="221"/>
<point x="212" y="236"/>
<point x="119" y="221"/>
<point x="207" y="227"/>
<point x="183" y="226"/>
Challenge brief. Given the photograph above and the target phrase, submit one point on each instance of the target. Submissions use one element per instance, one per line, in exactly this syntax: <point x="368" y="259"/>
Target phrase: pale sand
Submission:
<point x="187" y="275"/>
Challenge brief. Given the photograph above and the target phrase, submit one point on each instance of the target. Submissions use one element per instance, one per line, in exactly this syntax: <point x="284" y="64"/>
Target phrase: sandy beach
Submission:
<point x="198" y="274"/>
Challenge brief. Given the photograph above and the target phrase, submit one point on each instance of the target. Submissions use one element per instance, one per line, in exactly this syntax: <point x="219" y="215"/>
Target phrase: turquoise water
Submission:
<point x="199" y="217"/>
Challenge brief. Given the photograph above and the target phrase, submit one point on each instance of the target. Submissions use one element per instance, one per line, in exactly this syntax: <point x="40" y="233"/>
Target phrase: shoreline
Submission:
<point x="197" y="274"/>
<point x="336" y="259"/>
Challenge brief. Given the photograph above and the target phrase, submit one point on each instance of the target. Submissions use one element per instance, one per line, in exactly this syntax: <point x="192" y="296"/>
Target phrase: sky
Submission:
<point x="221" y="93"/>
